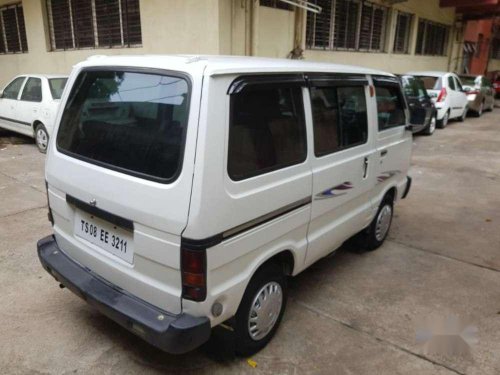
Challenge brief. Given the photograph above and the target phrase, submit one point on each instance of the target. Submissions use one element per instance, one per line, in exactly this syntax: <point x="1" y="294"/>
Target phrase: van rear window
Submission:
<point x="129" y="121"/>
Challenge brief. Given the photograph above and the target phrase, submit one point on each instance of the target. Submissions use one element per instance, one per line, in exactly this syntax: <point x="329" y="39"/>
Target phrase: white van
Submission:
<point x="184" y="190"/>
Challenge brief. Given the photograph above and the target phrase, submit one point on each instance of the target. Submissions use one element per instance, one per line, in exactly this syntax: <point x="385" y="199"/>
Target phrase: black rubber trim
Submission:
<point x="174" y="334"/>
<point x="407" y="188"/>
<point x="249" y="82"/>
<point x="386" y="80"/>
<point x="16" y="121"/>
<point x="105" y="215"/>
<point x="323" y="79"/>
<point x="208" y="242"/>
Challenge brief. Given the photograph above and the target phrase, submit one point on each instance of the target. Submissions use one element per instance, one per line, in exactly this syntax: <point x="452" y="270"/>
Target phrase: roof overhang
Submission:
<point x="473" y="9"/>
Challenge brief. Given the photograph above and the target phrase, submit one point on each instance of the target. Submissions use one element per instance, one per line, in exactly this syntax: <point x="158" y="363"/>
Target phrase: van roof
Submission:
<point x="216" y="65"/>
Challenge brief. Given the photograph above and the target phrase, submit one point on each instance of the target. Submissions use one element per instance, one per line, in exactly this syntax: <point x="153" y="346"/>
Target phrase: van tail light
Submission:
<point x="442" y="95"/>
<point x="194" y="273"/>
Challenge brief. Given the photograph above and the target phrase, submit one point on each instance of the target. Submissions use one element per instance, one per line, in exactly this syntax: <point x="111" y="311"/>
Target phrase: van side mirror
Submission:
<point x="409" y="127"/>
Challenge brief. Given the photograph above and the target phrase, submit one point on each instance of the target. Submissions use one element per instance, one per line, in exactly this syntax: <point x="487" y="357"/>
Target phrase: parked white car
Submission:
<point x="447" y="93"/>
<point x="28" y="105"/>
<point x="184" y="190"/>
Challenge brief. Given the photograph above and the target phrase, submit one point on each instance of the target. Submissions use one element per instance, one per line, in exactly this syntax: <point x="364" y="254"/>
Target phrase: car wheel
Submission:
<point x="261" y="309"/>
<point x="41" y="138"/>
<point x="444" y="121"/>
<point x="464" y="115"/>
<point x="376" y="233"/>
<point x="480" y="110"/>
<point x="432" y="126"/>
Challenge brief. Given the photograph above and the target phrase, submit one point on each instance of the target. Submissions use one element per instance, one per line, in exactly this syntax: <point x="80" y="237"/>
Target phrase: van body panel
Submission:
<point x="232" y="263"/>
<point x="158" y="211"/>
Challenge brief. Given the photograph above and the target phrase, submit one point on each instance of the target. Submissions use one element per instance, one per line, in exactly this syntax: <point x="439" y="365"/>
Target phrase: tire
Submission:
<point x="41" y="138"/>
<point x="464" y="114"/>
<point x="429" y="130"/>
<point x="373" y="237"/>
<point x="444" y="121"/>
<point x="479" y="112"/>
<point x="271" y="279"/>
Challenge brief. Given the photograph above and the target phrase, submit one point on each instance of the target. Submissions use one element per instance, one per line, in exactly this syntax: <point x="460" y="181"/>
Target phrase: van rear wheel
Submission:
<point x="376" y="233"/>
<point x="261" y="309"/>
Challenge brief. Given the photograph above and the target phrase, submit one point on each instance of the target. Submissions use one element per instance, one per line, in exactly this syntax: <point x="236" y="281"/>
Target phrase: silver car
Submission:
<point x="479" y="92"/>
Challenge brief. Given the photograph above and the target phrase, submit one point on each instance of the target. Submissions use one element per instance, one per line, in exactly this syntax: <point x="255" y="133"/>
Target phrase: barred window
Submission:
<point x="12" y="29"/>
<point x="347" y="24"/>
<point x="276" y="4"/>
<point x="78" y="24"/>
<point x="432" y="38"/>
<point x="402" y="35"/>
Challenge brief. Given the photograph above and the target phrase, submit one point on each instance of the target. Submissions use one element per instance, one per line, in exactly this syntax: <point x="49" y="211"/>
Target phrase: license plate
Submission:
<point x="105" y="235"/>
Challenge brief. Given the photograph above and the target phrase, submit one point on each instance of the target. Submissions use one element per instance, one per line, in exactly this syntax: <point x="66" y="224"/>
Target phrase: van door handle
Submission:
<point x="383" y="152"/>
<point x="365" y="167"/>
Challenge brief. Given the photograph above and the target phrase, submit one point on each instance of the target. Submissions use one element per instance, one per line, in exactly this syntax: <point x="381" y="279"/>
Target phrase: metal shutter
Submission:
<point x="76" y="24"/>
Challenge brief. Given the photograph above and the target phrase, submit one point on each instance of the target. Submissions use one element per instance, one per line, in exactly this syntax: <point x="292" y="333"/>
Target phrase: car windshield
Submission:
<point x="57" y="87"/>
<point x="431" y="83"/>
<point x="470" y="81"/>
<point x="414" y="87"/>
<point x="127" y="121"/>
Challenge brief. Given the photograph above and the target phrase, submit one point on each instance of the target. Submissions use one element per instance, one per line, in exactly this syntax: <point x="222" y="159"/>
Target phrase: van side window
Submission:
<point x="339" y="118"/>
<point x="266" y="131"/>
<point x="390" y="107"/>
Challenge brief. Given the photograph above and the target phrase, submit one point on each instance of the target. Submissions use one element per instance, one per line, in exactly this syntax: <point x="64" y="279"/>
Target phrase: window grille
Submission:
<point x="12" y="29"/>
<point x="403" y="31"/>
<point x="80" y="24"/>
<point x="432" y="38"/>
<point x="347" y="24"/>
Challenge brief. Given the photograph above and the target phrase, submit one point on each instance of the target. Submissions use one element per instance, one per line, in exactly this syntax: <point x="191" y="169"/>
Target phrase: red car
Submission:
<point x="496" y="83"/>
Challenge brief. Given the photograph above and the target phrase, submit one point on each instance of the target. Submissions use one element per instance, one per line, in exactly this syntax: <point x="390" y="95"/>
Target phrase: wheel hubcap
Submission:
<point x="41" y="139"/>
<point x="432" y="125"/>
<point x="383" y="222"/>
<point x="265" y="310"/>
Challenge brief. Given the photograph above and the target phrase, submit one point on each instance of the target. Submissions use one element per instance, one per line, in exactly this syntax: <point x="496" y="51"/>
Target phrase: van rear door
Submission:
<point x="119" y="177"/>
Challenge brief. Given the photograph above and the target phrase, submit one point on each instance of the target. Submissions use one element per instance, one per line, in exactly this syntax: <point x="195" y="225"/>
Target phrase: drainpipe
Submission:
<point x="298" y="38"/>
<point x="248" y="26"/>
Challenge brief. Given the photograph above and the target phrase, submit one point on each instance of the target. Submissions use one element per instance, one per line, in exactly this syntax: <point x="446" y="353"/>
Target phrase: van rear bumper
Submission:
<point x="174" y="334"/>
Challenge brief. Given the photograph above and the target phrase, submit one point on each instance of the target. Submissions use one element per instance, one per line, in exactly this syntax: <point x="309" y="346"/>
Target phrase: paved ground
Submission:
<point x="350" y="313"/>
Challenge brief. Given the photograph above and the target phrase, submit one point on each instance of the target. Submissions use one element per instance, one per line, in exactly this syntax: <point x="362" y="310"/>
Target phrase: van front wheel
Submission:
<point x="260" y="310"/>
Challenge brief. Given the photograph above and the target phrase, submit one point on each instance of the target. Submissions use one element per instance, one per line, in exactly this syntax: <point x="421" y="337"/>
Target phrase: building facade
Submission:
<point x="50" y="36"/>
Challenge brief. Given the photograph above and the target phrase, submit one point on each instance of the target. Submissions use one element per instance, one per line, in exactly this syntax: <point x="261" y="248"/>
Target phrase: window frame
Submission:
<point x="384" y="81"/>
<point x="10" y="84"/>
<point x="428" y="28"/>
<point x="21" y="30"/>
<point x="277" y="4"/>
<point x="24" y="88"/>
<point x="408" y="32"/>
<point x="338" y="81"/>
<point x="95" y="27"/>
<point x="272" y="81"/>
<point x="128" y="69"/>
<point x="330" y="46"/>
